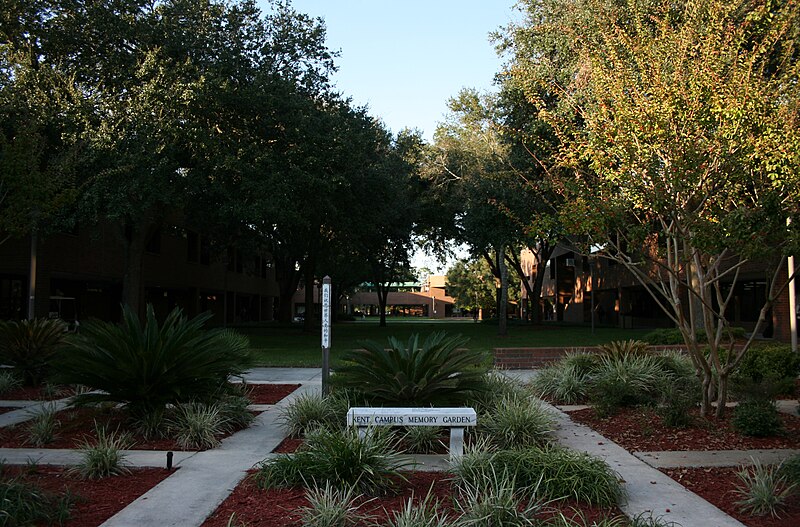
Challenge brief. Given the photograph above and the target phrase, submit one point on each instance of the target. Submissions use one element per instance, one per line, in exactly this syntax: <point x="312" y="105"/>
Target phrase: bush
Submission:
<point x="757" y="418"/>
<point x="762" y="489"/>
<point x="624" y="348"/>
<point x="337" y="457"/>
<point x="30" y="346"/>
<point x="679" y="395"/>
<point x="104" y="458"/>
<point x="790" y="469"/>
<point x="147" y="367"/>
<point x="518" y="422"/>
<point x="767" y="371"/>
<point x="673" y="336"/>
<point x="438" y="372"/>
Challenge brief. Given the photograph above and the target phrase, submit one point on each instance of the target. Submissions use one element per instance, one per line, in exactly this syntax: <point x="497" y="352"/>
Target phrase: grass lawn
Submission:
<point x="282" y="345"/>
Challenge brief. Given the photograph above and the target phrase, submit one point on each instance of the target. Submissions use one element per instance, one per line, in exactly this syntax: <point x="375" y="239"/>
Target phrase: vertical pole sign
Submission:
<point x="326" y="332"/>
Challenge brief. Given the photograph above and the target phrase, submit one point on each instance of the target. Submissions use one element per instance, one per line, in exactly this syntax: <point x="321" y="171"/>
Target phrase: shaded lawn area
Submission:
<point x="289" y="346"/>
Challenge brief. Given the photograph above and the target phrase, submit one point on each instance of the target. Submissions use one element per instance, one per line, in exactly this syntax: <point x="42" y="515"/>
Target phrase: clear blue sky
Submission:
<point x="405" y="58"/>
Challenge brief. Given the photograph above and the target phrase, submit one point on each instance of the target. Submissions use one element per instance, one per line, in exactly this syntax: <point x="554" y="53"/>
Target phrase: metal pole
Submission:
<point x="792" y="304"/>
<point x="32" y="278"/>
<point x="326" y="333"/>
<point x="591" y="279"/>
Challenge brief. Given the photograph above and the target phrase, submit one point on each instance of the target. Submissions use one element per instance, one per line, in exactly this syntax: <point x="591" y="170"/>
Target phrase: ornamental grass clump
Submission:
<point x="763" y="489"/>
<point x="422" y="439"/>
<point x="625" y="379"/>
<point x="197" y="425"/>
<point x="518" y="422"/>
<point x="497" y="501"/>
<point x="438" y="371"/>
<point x="497" y="386"/>
<point x="567" y="381"/>
<point x="31" y="346"/>
<point x="23" y="503"/>
<point x="330" y="506"/>
<point x="311" y="410"/>
<point x="149" y="366"/>
<point x="421" y="513"/>
<point x="8" y="381"/>
<point x="339" y="457"/>
<point x="104" y="457"/>
<point x="43" y="426"/>
<point x="556" y="472"/>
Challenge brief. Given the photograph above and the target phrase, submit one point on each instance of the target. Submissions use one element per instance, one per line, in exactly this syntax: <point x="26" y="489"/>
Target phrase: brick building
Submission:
<point x="84" y="269"/>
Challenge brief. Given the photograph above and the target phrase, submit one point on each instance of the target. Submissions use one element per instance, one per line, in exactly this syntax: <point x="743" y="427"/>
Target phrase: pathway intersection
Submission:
<point x="205" y="479"/>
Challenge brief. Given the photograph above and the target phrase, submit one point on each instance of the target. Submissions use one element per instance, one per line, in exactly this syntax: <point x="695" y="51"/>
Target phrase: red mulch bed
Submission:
<point x="642" y="430"/>
<point x="281" y="507"/>
<point x="98" y="499"/>
<point x="269" y="393"/>
<point x="78" y="425"/>
<point x="716" y="485"/>
<point x="289" y="445"/>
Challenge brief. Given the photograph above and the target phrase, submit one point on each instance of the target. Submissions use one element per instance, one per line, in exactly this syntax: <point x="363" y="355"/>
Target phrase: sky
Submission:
<point x="405" y="58"/>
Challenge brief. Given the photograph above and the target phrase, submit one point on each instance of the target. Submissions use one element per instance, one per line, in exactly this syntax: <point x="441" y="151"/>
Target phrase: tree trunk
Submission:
<point x="309" y="322"/>
<point x="135" y="242"/>
<point x="502" y="314"/>
<point x="383" y="294"/>
<point x="517" y="266"/>
<point x="288" y="278"/>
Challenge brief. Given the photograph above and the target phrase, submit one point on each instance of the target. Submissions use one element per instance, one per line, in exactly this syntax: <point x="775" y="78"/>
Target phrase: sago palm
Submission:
<point x="149" y="366"/>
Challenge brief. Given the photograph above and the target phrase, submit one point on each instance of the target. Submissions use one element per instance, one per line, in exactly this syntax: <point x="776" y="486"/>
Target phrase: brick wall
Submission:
<point x="535" y="358"/>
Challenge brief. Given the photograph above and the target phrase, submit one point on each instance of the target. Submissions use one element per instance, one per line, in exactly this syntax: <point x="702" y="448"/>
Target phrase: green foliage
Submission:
<point x="330" y="506"/>
<point x="517" y="422"/>
<point x="619" y="349"/>
<point x="646" y="519"/>
<point x="339" y="457"/>
<point x="104" y="457"/>
<point x="498" y="387"/>
<point x="149" y="366"/>
<point x="31" y="346"/>
<point x="767" y="371"/>
<point x="757" y="418"/>
<point x="567" y="381"/>
<point x="422" y="439"/>
<point x="24" y="503"/>
<point x="8" y="381"/>
<point x="497" y="501"/>
<point x="234" y="413"/>
<point x="556" y="472"/>
<point x="43" y="427"/>
<point x="790" y="469"/>
<point x="312" y="410"/>
<point x="420" y="513"/>
<point x="197" y="425"/>
<point x="624" y="380"/>
<point x="762" y="489"/>
<point x="437" y="372"/>
<point x="678" y="395"/>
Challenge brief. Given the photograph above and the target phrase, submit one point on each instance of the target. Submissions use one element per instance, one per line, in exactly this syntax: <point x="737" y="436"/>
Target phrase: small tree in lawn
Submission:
<point x="683" y="153"/>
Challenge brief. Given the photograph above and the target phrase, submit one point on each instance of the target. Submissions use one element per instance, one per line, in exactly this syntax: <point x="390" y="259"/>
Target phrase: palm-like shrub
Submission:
<point x="438" y="372"/>
<point x="149" y="366"/>
<point x="31" y="346"/>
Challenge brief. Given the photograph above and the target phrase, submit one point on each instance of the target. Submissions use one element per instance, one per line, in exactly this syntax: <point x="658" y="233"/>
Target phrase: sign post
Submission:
<point x="326" y="333"/>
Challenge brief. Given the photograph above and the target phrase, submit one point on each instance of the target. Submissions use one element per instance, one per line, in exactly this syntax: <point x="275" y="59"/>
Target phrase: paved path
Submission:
<point x="205" y="479"/>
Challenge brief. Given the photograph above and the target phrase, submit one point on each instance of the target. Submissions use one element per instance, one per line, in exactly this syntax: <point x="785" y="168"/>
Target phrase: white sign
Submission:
<point x="326" y="315"/>
<point x="452" y="417"/>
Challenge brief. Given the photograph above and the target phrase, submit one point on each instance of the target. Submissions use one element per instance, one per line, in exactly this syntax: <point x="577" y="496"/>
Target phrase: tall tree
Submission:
<point x="684" y="150"/>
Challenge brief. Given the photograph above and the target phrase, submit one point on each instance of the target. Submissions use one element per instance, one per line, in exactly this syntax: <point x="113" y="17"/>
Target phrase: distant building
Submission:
<point x="574" y="284"/>
<point x="85" y="268"/>
<point x="414" y="299"/>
